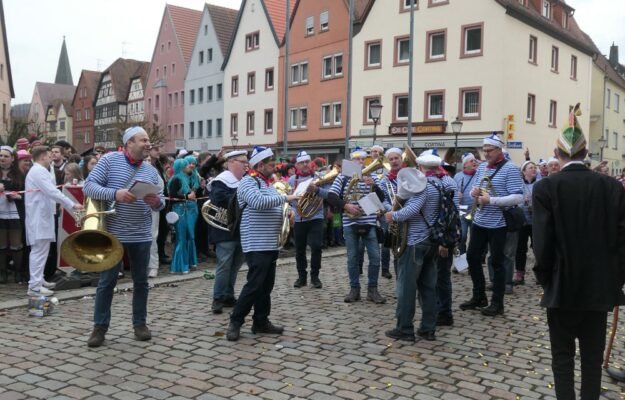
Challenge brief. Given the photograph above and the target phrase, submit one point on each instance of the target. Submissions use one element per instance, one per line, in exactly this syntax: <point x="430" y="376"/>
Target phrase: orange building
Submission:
<point x="318" y="55"/>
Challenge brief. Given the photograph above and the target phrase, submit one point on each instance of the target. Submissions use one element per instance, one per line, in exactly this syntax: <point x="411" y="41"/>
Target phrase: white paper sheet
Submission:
<point x="141" y="189"/>
<point x="301" y="187"/>
<point x="371" y="204"/>
<point x="349" y="168"/>
<point x="460" y="262"/>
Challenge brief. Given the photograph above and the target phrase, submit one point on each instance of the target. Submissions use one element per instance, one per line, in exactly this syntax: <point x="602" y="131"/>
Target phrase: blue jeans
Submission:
<point x="229" y="261"/>
<point x="139" y="257"/>
<point x="352" y="242"/>
<point x="417" y="270"/>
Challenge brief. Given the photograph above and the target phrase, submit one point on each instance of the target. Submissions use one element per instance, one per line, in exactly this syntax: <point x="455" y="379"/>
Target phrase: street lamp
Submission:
<point x="235" y="141"/>
<point x="456" y="127"/>
<point x="602" y="145"/>
<point x="375" y="109"/>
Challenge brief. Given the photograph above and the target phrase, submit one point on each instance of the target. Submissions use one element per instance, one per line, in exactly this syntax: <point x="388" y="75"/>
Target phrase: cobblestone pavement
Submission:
<point x="330" y="350"/>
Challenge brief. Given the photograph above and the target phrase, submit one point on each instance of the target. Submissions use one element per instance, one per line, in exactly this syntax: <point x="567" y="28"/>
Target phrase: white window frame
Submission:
<point x="396" y="116"/>
<point x="324" y="21"/>
<point x="546" y="10"/>
<point x="530" y="114"/>
<point x="399" y="60"/>
<point x="406" y="5"/>
<point x="295" y="74"/>
<point x="369" y="63"/>
<point x="335" y="121"/>
<point x="429" y="98"/>
<point x="432" y="56"/>
<point x="326" y="114"/>
<point x="310" y="25"/>
<point x="617" y="102"/>
<point x="464" y="103"/>
<point x="553" y="113"/>
<point x="466" y="40"/>
<point x="293" y="117"/>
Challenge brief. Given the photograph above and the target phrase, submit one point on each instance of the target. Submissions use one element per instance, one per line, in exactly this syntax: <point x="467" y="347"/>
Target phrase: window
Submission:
<point x="303" y="117"/>
<point x="546" y="11"/>
<point x="209" y="128"/>
<point x="299" y="118"/>
<point x="331" y="114"/>
<point x="323" y="21"/>
<point x="164" y="71"/>
<point x="157" y="102"/>
<point x="200" y="95"/>
<point x="269" y="79"/>
<point x="205" y="30"/>
<point x="367" y="119"/>
<point x="436" y="45"/>
<point x="209" y="94"/>
<point x="327" y="67"/>
<point x="87" y="138"/>
<point x="192" y="96"/>
<point x="294" y="74"/>
<point x="617" y="102"/>
<point x="234" y="124"/>
<point x="78" y="115"/>
<point x="472" y="39"/>
<point x="332" y="66"/>
<point x="373" y="54"/>
<point x="614" y="141"/>
<point x="402" y="50"/>
<point x="251" y="82"/>
<point x="200" y="129"/>
<point x="573" y="67"/>
<point x="530" y="115"/>
<point x="303" y="68"/>
<point x="434" y="3"/>
<point x="533" y="56"/>
<point x="608" y="99"/>
<point x="219" y="91"/>
<point x="191" y="129"/>
<point x="435" y="105"/>
<point x="218" y="127"/>
<point x="400" y="107"/>
<point x="268" y="124"/>
<point x="299" y="73"/>
<point x="209" y="55"/>
<point x="470" y="103"/>
<point x="406" y="4"/>
<point x="201" y="57"/>
<point x="336" y="112"/>
<point x="294" y="112"/>
<point x="310" y="25"/>
<point x="234" y="86"/>
<point x="87" y="114"/>
<point x="250" y="123"/>
<point x="252" y="41"/>
<point x="555" y="55"/>
<point x="553" y="113"/>
<point x="326" y="115"/>
<point x="61" y="122"/>
<point x="176" y="99"/>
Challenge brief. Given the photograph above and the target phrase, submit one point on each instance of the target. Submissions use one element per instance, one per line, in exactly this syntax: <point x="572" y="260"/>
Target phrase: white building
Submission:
<point x="250" y="69"/>
<point x="136" y="112"/>
<point x="204" y="83"/>
<point x="480" y="61"/>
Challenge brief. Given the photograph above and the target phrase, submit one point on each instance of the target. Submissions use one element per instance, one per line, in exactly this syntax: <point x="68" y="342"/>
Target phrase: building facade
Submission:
<point x="250" y="71"/>
<point x="84" y="98"/>
<point x="6" y="79"/>
<point x="204" y="84"/>
<point x="164" y="90"/>
<point x="43" y="96"/>
<point x="521" y="87"/>
<point x="136" y="98"/>
<point x="59" y="121"/>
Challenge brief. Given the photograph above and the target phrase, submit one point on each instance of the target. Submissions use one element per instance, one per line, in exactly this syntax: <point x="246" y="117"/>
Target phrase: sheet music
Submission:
<point x="301" y="187"/>
<point x="349" y="168"/>
<point x="141" y="189"/>
<point x="371" y="204"/>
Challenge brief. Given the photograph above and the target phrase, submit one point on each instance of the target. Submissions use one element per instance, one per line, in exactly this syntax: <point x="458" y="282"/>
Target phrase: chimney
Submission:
<point x="614" y="55"/>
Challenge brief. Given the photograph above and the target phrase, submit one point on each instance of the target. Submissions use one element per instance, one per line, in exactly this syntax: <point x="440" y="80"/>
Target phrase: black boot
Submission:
<point x="315" y="282"/>
<point x="492" y="310"/>
<point x="4" y="265"/>
<point x="474" y="302"/>
<point x="353" y="295"/>
<point x="267" y="328"/>
<point x="387" y="274"/>
<point x="301" y="281"/>
<point x="233" y="333"/>
<point x="18" y="267"/>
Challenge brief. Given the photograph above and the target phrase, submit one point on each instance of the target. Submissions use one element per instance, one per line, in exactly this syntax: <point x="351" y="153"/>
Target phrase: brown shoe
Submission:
<point x="142" y="333"/>
<point x="97" y="337"/>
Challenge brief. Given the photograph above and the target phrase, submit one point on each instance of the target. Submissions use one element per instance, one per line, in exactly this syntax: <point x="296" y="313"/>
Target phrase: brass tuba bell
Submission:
<point x="284" y="188"/>
<point x="310" y="203"/>
<point x="215" y="216"/>
<point x="92" y="249"/>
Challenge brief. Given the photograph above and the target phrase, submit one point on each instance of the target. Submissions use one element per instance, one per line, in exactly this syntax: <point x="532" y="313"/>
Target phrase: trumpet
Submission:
<point x="486" y="187"/>
<point x="349" y="195"/>
<point x="215" y="216"/>
<point x="310" y="203"/>
<point x="285" y="189"/>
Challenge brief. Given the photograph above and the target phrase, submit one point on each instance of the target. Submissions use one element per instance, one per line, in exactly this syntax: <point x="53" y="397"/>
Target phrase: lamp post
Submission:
<point x="376" y="110"/>
<point x="602" y="145"/>
<point x="235" y="141"/>
<point x="456" y="127"/>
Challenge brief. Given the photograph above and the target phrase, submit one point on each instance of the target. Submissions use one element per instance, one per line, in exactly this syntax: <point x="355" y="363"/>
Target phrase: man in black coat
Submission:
<point x="579" y="243"/>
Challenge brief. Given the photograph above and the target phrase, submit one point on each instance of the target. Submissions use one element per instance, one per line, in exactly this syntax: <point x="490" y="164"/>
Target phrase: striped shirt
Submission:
<point x="425" y="204"/>
<point x="507" y="182"/>
<point x="262" y="216"/>
<point x="361" y="189"/>
<point x="465" y="183"/>
<point x="388" y="198"/>
<point x="322" y="192"/>
<point x="132" y="222"/>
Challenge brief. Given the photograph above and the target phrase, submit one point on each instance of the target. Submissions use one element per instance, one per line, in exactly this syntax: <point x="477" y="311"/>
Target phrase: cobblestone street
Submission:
<point x="330" y="349"/>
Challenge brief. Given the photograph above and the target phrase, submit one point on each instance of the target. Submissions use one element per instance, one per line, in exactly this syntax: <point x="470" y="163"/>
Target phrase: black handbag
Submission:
<point x="379" y="233"/>
<point x="515" y="219"/>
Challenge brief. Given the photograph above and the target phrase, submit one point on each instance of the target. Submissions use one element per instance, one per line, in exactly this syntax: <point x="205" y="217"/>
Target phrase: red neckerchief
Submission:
<point x="499" y="160"/>
<point x="257" y="174"/>
<point x="392" y="175"/>
<point x="132" y="161"/>
<point x="469" y="172"/>
<point x="437" y="173"/>
<point x="302" y="175"/>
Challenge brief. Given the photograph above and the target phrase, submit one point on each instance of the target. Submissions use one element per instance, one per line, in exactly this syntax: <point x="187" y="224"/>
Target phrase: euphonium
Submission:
<point x="310" y="203"/>
<point x="283" y="188"/>
<point x="485" y="186"/>
<point x="92" y="249"/>
<point x="398" y="231"/>
<point x="349" y="196"/>
<point x="215" y="216"/>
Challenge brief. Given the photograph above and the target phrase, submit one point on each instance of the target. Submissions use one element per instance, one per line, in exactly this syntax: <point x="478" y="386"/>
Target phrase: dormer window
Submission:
<point x="546" y="9"/>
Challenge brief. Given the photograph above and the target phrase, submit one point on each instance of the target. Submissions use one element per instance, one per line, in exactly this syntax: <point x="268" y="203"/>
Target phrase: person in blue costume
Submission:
<point x="182" y="187"/>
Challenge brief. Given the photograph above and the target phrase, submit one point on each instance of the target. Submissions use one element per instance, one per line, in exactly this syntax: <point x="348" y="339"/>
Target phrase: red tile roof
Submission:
<point x="185" y="22"/>
<point x="276" y="10"/>
<point x="224" y="20"/>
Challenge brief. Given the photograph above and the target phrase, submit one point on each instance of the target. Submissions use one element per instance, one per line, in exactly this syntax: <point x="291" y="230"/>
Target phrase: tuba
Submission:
<point x="215" y="216"/>
<point x="310" y="203"/>
<point x="92" y="249"/>
<point x="349" y="195"/>
<point x="486" y="186"/>
<point x="283" y="188"/>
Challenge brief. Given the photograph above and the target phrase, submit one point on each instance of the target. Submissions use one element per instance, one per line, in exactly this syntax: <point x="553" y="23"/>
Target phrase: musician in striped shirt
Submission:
<point x="489" y="225"/>
<point x="358" y="227"/>
<point x="261" y="222"/>
<point x="389" y="182"/>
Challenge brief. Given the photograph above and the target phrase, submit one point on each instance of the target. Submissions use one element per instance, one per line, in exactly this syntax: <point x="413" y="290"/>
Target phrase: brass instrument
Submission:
<point x="485" y="186"/>
<point x="310" y="203"/>
<point x="92" y="249"/>
<point x="349" y="196"/>
<point x="215" y="216"/>
<point x="285" y="189"/>
<point x="408" y="157"/>
<point x="384" y="164"/>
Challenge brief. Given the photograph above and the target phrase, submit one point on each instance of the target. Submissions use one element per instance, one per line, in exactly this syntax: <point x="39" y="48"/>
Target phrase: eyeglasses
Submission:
<point x="242" y="162"/>
<point x="489" y="150"/>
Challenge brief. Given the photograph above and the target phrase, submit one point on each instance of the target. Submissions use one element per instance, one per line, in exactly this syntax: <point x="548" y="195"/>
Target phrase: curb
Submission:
<point x="164" y="280"/>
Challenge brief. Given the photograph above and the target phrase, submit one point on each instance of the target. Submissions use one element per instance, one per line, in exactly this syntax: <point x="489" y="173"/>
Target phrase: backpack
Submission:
<point x="446" y="230"/>
<point x="235" y="213"/>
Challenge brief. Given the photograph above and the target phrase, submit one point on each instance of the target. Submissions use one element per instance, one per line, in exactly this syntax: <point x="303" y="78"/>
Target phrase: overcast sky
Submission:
<point x="98" y="32"/>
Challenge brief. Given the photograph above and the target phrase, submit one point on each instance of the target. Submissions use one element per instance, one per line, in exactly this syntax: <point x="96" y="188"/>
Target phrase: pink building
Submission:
<point x="164" y="92"/>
